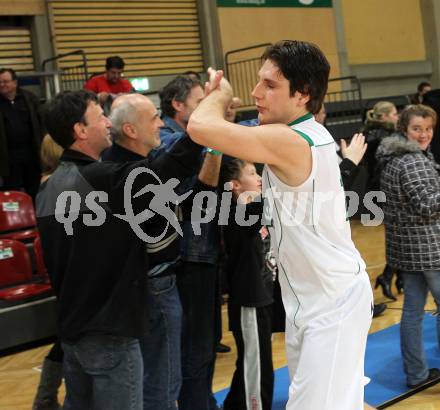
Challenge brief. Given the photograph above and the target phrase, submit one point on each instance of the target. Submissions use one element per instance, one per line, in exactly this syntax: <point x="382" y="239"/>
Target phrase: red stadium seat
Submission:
<point x="23" y="292"/>
<point x="39" y="261"/>
<point x="17" y="216"/>
<point x="15" y="271"/>
<point x="15" y="263"/>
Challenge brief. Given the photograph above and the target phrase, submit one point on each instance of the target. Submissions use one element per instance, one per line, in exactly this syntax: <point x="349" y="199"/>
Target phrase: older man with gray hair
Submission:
<point x="136" y="126"/>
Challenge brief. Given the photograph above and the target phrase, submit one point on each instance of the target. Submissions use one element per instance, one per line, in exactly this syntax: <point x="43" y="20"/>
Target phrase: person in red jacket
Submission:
<point x="111" y="82"/>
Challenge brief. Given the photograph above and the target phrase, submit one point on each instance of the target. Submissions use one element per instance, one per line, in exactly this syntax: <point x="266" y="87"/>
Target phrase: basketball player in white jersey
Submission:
<point x="326" y="291"/>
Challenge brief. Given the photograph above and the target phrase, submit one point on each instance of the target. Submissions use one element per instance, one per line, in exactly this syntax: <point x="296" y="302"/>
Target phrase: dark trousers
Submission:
<point x="56" y="353"/>
<point x="252" y="383"/>
<point x="197" y="289"/>
<point x="160" y="346"/>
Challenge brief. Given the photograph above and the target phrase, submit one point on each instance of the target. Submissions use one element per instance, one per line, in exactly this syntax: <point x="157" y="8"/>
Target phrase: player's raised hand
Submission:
<point x="217" y="81"/>
<point x="215" y="77"/>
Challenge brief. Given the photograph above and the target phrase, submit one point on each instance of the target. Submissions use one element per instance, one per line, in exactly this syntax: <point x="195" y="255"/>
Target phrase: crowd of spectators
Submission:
<point x="143" y="324"/>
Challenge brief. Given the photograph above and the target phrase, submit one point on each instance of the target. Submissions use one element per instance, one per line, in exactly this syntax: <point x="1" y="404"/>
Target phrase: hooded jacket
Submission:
<point x="409" y="177"/>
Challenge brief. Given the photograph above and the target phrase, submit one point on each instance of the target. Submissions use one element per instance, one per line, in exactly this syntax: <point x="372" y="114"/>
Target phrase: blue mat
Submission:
<point x="383" y="365"/>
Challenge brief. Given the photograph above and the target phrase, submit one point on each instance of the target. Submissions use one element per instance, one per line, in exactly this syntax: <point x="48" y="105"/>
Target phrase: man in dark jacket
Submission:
<point x="20" y="136"/>
<point x="91" y="231"/>
<point x="160" y="345"/>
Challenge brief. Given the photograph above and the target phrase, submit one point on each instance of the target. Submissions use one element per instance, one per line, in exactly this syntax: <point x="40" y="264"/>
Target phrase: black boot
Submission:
<point x="399" y="283"/>
<point x="379" y="309"/>
<point x="384" y="280"/>
<point x="221" y="348"/>
<point x="50" y="381"/>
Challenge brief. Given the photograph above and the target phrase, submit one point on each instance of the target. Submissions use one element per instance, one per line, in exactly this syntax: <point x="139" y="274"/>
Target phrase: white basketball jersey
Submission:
<point x="311" y="235"/>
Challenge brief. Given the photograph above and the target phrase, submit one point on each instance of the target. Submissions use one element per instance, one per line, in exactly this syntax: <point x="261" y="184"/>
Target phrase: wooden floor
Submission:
<point x="19" y="377"/>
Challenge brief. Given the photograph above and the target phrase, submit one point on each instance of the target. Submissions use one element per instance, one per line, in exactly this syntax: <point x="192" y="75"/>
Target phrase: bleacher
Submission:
<point x="344" y="107"/>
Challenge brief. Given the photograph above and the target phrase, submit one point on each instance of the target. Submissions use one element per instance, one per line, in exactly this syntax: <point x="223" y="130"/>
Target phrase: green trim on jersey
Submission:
<point x="301" y="119"/>
<point x="305" y="136"/>
<point x="323" y="145"/>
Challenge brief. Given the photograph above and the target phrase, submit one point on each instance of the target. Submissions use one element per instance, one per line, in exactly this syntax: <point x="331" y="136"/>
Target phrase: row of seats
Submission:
<point x="23" y="275"/>
<point x="17" y="216"/>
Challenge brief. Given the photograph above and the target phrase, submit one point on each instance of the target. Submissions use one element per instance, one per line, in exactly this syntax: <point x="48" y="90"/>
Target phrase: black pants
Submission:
<point x="196" y="283"/>
<point x="56" y="353"/>
<point x="252" y="383"/>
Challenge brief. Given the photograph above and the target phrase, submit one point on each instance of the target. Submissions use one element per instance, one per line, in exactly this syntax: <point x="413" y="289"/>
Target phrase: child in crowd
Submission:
<point x="251" y="270"/>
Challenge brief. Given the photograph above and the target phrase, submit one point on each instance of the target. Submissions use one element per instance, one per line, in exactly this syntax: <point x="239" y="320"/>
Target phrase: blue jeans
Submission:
<point x="103" y="373"/>
<point x="161" y="345"/>
<point x="197" y="290"/>
<point x="411" y="327"/>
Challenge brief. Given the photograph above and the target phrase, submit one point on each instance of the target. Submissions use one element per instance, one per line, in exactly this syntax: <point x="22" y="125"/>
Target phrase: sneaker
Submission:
<point x="433" y="374"/>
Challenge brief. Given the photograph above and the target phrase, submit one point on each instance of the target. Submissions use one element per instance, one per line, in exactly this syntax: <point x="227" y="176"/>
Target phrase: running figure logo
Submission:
<point x="164" y="195"/>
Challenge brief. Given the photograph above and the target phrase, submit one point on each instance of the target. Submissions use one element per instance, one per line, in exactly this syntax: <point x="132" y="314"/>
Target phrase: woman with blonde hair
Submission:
<point x="383" y="112"/>
<point x="50" y="156"/>
<point x="381" y="122"/>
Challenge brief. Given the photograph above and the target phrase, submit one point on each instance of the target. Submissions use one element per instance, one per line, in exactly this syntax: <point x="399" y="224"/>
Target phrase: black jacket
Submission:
<point x="375" y="132"/>
<point x="163" y="255"/>
<point x="33" y="105"/>
<point x="248" y="254"/>
<point x="99" y="271"/>
<point x="349" y="171"/>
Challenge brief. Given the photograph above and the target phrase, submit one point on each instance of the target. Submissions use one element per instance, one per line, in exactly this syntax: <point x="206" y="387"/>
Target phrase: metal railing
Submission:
<point x="344" y="106"/>
<point x="242" y="67"/>
<point x="72" y="69"/>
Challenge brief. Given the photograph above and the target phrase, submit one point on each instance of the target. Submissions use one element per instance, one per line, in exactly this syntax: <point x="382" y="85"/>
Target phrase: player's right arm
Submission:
<point x="287" y="153"/>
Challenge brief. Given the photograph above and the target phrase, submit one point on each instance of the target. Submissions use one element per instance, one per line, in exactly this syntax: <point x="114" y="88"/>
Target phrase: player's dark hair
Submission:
<point x="305" y="66"/>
